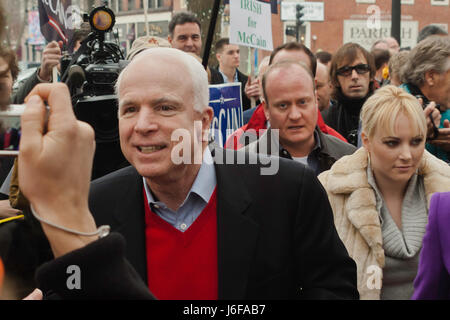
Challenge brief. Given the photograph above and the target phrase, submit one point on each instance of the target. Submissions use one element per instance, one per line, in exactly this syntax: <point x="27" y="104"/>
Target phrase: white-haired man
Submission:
<point x="204" y="229"/>
<point x="199" y="228"/>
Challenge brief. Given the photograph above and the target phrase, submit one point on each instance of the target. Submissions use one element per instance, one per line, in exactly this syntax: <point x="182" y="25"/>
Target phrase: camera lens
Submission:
<point x="101" y="114"/>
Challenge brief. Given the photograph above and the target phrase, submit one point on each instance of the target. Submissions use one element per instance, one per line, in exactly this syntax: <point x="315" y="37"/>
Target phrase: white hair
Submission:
<point x="198" y="76"/>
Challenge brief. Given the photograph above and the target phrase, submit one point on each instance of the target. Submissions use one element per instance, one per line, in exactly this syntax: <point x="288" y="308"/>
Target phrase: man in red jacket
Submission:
<point x="258" y="122"/>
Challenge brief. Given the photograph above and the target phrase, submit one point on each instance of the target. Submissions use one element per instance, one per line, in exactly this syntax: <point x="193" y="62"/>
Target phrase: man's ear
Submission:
<point x="330" y="84"/>
<point x="430" y="77"/>
<point x="266" y="110"/>
<point x="207" y="116"/>
<point x="169" y="38"/>
<point x="335" y="83"/>
<point x="316" y="99"/>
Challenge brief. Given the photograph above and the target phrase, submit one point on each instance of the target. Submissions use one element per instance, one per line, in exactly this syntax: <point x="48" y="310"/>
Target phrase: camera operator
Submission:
<point x="51" y="57"/>
<point x="427" y="76"/>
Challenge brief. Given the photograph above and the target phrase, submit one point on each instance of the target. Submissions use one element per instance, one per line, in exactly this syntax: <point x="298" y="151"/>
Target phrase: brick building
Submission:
<point x="344" y="21"/>
<point x="350" y="21"/>
<point x="130" y="19"/>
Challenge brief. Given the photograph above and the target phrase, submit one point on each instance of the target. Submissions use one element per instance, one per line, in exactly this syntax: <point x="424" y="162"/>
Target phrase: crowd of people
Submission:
<point x="356" y="206"/>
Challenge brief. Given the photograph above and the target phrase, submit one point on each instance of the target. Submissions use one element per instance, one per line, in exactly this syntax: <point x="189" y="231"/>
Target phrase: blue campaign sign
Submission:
<point x="226" y="101"/>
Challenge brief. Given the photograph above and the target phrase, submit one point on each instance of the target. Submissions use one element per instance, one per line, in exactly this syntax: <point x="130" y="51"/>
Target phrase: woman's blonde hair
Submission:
<point x="381" y="110"/>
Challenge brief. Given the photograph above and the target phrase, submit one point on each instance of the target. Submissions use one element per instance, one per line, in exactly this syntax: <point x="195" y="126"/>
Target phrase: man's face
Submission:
<point x="354" y="85"/>
<point x="291" y="106"/>
<point x="323" y="86"/>
<point x="187" y="38"/>
<point x="6" y="83"/>
<point x="294" y="55"/>
<point x="156" y="98"/>
<point x="229" y="56"/>
<point x="393" y="45"/>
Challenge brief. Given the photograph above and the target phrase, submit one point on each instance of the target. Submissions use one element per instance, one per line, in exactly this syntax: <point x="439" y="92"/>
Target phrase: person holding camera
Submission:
<point x="51" y="57"/>
<point x="427" y="76"/>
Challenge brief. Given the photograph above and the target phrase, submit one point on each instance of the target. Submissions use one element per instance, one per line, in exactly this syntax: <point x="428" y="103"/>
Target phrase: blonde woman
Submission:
<point x="380" y="194"/>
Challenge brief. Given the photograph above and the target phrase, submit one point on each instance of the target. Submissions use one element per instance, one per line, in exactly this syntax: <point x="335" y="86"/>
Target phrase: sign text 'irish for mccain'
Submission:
<point x="251" y="24"/>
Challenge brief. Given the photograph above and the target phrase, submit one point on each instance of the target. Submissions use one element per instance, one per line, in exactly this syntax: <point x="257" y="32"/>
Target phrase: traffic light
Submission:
<point x="299" y="14"/>
<point x="290" y="31"/>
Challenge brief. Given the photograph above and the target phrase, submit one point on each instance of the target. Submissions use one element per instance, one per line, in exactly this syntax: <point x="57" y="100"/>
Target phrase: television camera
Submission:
<point x="91" y="73"/>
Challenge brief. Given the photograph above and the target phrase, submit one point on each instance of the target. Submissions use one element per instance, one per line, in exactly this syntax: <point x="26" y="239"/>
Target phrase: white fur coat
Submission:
<point x="356" y="217"/>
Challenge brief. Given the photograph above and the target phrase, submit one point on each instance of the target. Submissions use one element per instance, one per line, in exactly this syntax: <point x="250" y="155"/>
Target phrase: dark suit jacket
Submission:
<point x="217" y="78"/>
<point x="276" y="235"/>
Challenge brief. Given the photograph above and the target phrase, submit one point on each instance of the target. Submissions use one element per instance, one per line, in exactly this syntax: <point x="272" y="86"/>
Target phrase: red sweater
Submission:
<point x="182" y="265"/>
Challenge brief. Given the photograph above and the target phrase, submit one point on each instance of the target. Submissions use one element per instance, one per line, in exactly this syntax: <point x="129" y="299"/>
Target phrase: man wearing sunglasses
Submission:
<point x="352" y="75"/>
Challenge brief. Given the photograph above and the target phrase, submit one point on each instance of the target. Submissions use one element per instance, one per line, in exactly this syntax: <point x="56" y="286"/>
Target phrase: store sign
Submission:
<point x="359" y="32"/>
<point x="313" y="11"/>
<point x="251" y="24"/>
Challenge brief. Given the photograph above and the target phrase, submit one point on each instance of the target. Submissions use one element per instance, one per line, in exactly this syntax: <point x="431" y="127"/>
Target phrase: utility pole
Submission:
<point x="395" y="20"/>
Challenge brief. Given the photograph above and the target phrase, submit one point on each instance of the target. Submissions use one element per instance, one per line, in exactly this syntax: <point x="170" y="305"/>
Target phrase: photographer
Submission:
<point x="427" y="76"/>
<point x="50" y="58"/>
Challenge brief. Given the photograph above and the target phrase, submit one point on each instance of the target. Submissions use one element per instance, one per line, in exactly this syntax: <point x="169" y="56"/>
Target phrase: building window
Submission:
<point x="120" y="5"/>
<point x="156" y="3"/>
<point x="365" y="1"/>
<point x="113" y="5"/>
<point x="439" y="2"/>
<point x="407" y="1"/>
